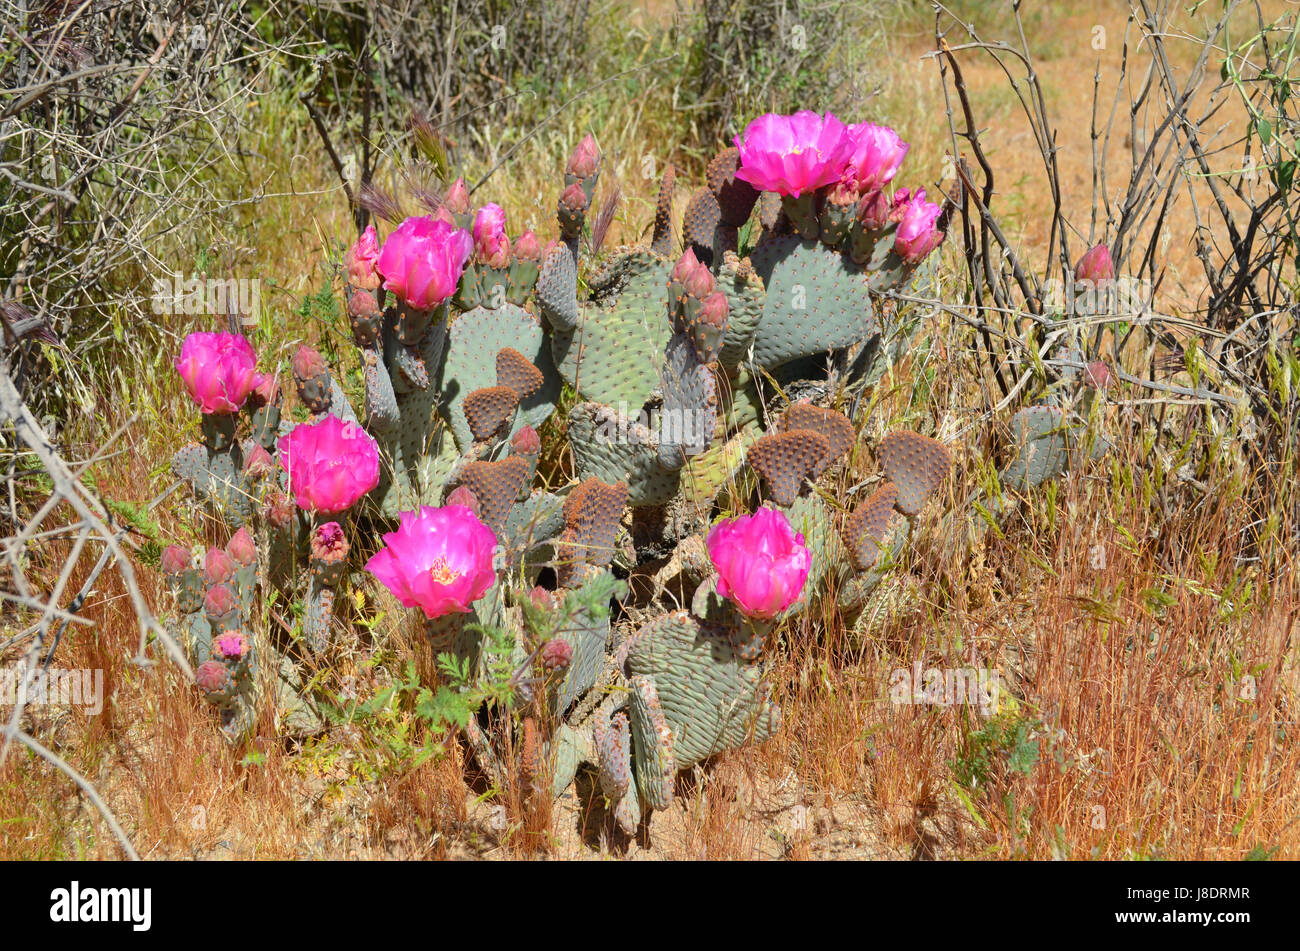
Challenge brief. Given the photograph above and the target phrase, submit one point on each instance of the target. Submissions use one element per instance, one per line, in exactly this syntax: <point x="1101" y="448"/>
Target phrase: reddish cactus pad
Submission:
<point x="916" y="464"/>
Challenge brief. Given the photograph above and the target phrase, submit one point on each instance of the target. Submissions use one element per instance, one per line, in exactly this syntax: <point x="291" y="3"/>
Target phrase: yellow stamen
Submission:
<point x="443" y="573"/>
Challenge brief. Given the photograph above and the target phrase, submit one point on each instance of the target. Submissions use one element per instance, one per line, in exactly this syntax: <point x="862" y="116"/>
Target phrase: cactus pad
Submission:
<point x="784" y="460"/>
<point x="834" y="426"/>
<point x="514" y="370"/>
<point x="488" y="410"/>
<point x="864" y="529"/>
<point x="592" y="512"/>
<point x="916" y="465"/>
<point x="496" y="485"/>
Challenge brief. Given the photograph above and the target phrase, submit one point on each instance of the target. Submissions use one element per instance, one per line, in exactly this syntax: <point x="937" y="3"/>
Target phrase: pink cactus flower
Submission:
<point x="331" y="464"/>
<point x="918" y="233"/>
<point x="232" y="645"/>
<point x="762" y="562"/>
<point x="876" y="155"/>
<point x="1096" y="265"/>
<point x="361" y="260"/>
<point x="422" y="261"/>
<point x="793" y="154"/>
<point x="219" y="370"/>
<point x="438" y="560"/>
<point x="490" y="241"/>
<point x="457" y="198"/>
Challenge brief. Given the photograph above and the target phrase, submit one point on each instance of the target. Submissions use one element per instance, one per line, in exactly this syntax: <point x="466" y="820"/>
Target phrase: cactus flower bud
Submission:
<point x="328" y="543"/>
<point x="219" y="370"/>
<point x="686" y="265"/>
<point x="462" y="495"/>
<point x="241" y="548"/>
<point x="699" y="283"/>
<point x="232" y="645"/>
<point x="363" y="306"/>
<point x="585" y="158"/>
<point x="176" y="559"/>
<point x="279" y="510"/>
<point x="526" y="442"/>
<point x="219" y="601"/>
<point x="1098" y="375"/>
<point x="439" y="560"/>
<point x="266" y="390"/>
<point x="457" y="197"/>
<point x="557" y="654"/>
<point x="490" y="233"/>
<point x="422" y="261"/>
<point x="762" y="562"/>
<point x="218" y="567"/>
<point x="212" y="677"/>
<point x="573" y="199"/>
<point x="918" y="233"/>
<point x="715" y="309"/>
<point x="258" y="463"/>
<point x="527" y="247"/>
<point x="308" y="364"/>
<point x="540" y="598"/>
<point x="361" y="259"/>
<point x="873" y="210"/>
<point x="1095" y="265"/>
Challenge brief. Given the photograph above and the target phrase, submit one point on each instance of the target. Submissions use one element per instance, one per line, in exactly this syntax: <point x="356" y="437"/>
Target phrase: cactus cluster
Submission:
<point x="688" y="362"/>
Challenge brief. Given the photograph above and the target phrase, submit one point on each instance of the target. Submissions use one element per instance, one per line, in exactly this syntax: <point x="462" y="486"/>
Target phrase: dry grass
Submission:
<point x="1148" y="704"/>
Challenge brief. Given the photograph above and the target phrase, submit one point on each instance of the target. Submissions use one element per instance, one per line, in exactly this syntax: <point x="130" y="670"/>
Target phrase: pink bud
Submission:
<point x="873" y="211"/>
<point x="362" y="305"/>
<point x="308" y="364"/>
<point x="490" y="234"/>
<point x="217" y="567"/>
<point x="1098" y="375"/>
<point x="258" y="463"/>
<point x="526" y="442"/>
<point x="329" y="544"/>
<point x="457" y="197"/>
<point x="212" y="677"/>
<point x="762" y="563"/>
<point x="918" y="231"/>
<point x="266" y="390"/>
<point x="176" y="559"/>
<point x="715" y="309"/>
<point x="686" y="265"/>
<point x="585" y="158"/>
<point x="699" y="283"/>
<point x="527" y="247"/>
<point x="557" y="654"/>
<point x="541" y="598"/>
<point x="361" y="259"/>
<point x="1095" y="266"/>
<point x="462" y="495"/>
<point x="573" y="198"/>
<point x="241" y="548"/>
<point x="279" y="509"/>
<point x="219" y="601"/>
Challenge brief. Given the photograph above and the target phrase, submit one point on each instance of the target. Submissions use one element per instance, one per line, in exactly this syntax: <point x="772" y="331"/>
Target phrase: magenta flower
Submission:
<point x="438" y="560"/>
<point x="362" y="258"/>
<point x="331" y="464"/>
<point x="875" y="155"/>
<point x="219" y="370"/>
<point x="762" y="563"/>
<point x="793" y="154"/>
<point x="232" y="645"/>
<point x="422" y="261"/>
<point x="1095" y="266"/>
<point x="490" y="239"/>
<point x="918" y="233"/>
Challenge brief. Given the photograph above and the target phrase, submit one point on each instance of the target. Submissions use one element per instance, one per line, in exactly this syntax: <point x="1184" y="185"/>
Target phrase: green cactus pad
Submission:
<point x="712" y="701"/>
<point x="817" y="300"/>
<point x="557" y="288"/>
<point x="652" y="744"/>
<point x="616" y="352"/>
<point x="476" y="337"/>
<point x="745" y="301"/>
<point x="604" y="450"/>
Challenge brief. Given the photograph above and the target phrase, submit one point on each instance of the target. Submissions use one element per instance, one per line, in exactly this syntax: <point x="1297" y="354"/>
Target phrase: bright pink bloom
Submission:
<point x="1095" y="266"/>
<point x="762" y="563"/>
<point x="331" y="464"/>
<point x="232" y="645"/>
<point x="219" y="370"/>
<point x="793" y="154"/>
<point x="438" y="560"/>
<point x="918" y="233"/>
<point x="490" y="241"/>
<point x="422" y="261"/>
<point x="362" y="258"/>
<point x="876" y="154"/>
